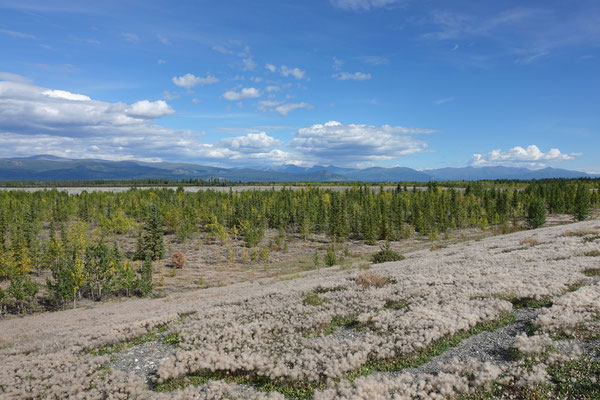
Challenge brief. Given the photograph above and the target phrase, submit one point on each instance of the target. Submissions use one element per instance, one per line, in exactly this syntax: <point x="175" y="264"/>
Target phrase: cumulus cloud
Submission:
<point x="188" y="81"/>
<point x="358" y="5"/>
<point x="149" y="109"/>
<point x="531" y="156"/>
<point x="38" y="120"/>
<point x="61" y="94"/>
<point x="336" y="143"/>
<point x="356" y="76"/>
<point x="271" y="67"/>
<point x="251" y="143"/>
<point x="7" y="76"/>
<point x="245" y="93"/>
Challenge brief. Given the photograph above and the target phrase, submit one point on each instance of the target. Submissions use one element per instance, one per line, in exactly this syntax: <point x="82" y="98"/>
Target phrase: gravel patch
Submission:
<point x="493" y="346"/>
<point x="143" y="359"/>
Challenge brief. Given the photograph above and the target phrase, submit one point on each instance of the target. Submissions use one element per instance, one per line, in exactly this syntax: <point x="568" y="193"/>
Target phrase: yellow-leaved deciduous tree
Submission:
<point x="216" y="230"/>
<point x="79" y="278"/>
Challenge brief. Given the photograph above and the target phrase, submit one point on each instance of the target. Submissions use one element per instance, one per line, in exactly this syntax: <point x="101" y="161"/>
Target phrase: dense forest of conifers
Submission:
<point x="67" y="237"/>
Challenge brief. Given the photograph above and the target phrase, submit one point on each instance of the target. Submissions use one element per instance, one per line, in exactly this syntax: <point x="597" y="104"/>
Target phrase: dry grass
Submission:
<point x="371" y="280"/>
<point x="579" y="233"/>
<point x="178" y="259"/>
<point x="531" y="242"/>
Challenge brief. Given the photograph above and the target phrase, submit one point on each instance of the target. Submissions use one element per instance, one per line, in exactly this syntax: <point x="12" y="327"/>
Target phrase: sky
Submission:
<point x="352" y="83"/>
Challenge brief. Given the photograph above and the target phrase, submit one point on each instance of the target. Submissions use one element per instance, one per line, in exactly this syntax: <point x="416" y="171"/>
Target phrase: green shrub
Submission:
<point x="313" y="299"/>
<point x="330" y="257"/>
<point x="386" y="254"/>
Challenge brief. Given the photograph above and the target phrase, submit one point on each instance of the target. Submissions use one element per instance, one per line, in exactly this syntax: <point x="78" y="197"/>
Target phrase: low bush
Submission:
<point x="386" y="254"/>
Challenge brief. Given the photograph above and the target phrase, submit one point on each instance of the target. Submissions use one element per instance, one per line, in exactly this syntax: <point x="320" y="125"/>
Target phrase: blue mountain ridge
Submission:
<point x="48" y="167"/>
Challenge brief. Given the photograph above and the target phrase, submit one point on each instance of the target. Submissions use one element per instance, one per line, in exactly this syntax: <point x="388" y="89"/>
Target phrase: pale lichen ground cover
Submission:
<point x="267" y="334"/>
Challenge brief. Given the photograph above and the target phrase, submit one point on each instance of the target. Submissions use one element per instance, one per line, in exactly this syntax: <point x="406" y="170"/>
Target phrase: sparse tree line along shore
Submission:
<point x="69" y="238"/>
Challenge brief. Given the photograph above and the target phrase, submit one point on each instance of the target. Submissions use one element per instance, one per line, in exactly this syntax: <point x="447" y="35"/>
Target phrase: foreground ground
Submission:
<point x="511" y="316"/>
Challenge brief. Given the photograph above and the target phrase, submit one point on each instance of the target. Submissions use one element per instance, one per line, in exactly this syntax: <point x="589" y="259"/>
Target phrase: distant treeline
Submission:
<point x="497" y="184"/>
<point x="68" y="234"/>
<point x="118" y="183"/>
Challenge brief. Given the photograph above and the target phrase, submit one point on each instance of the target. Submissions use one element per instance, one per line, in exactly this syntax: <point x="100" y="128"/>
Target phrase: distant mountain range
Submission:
<point x="50" y="168"/>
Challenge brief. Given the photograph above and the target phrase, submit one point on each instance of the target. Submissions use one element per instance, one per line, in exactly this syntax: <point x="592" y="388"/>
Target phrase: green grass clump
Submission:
<point x="313" y="299"/>
<point x="396" y="304"/>
<point x="574" y="379"/>
<point x="386" y="254"/>
<point x="592" y="253"/>
<point x="525" y="302"/>
<point x="592" y="272"/>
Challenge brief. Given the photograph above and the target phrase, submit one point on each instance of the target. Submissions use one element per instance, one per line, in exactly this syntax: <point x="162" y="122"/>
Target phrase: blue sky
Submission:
<point x="423" y="84"/>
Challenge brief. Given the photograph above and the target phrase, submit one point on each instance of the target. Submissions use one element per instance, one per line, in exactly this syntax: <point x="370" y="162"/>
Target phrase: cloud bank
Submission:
<point x="531" y="156"/>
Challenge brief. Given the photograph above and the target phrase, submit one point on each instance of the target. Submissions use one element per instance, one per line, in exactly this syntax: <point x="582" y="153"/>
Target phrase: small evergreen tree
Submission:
<point x="581" y="208"/>
<point x="536" y="213"/>
<point x="145" y="284"/>
<point x="316" y="260"/>
<point x="151" y="239"/>
<point x="330" y="257"/>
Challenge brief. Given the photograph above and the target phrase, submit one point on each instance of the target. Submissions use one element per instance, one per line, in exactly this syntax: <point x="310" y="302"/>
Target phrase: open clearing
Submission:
<point x="513" y="310"/>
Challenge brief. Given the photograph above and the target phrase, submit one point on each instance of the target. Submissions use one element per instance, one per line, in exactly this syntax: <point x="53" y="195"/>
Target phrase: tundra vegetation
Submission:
<point x="337" y="333"/>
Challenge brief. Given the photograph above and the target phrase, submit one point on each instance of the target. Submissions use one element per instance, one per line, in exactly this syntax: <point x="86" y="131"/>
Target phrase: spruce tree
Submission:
<point x="536" y="213"/>
<point x="151" y="239"/>
<point x="145" y="283"/>
<point x="581" y="208"/>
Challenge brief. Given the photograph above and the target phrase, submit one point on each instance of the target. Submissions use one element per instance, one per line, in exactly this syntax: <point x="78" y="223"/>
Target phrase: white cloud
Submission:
<point x="188" y="81"/>
<point x="160" y="61"/>
<point x="19" y="35"/>
<point x="61" y="94"/>
<point x="251" y="143"/>
<point x="444" y="100"/>
<point x="272" y="89"/>
<point x="248" y="64"/>
<point x="65" y="124"/>
<point x="131" y="37"/>
<point x="149" y="109"/>
<point x="337" y="63"/>
<point x="280" y="107"/>
<point x="356" y="76"/>
<point x="271" y="67"/>
<point x="519" y="156"/>
<point x="285" y="109"/>
<point x="351" y="145"/>
<point x="163" y="39"/>
<point x="170" y="95"/>
<point x="358" y="5"/>
<point x="295" y="72"/>
<point x="267" y="105"/>
<point x="7" y="76"/>
<point x="374" y="60"/>
<point x="27" y="108"/>
<point x="245" y="93"/>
